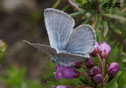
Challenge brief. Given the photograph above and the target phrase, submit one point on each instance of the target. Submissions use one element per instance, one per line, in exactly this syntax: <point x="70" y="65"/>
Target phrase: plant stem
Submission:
<point x="105" y="80"/>
<point x="100" y="62"/>
<point x="56" y="4"/>
<point x="99" y="85"/>
<point x="74" y="4"/>
<point x="85" y="75"/>
<point x="82" y="66"/>
<point x="84" y="87"/>
<point x="103" y="69"/>
<point x="66" y="7"/>
<point x="77" y="13"/>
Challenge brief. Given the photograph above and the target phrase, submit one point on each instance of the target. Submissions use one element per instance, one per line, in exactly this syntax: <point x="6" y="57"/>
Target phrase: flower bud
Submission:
<point x="90" y="72"/>
<point x="66" y="72"/>
<point x="95" y="51"/>
<point x="89" y="63"/>
<point x="113" y="68"/>
<point x="98" y="78"/>
<point x="78" y="64"/>
<point x="96" y="70"/>
<point x="104" y="49"/>
<point x="62" y="86"/>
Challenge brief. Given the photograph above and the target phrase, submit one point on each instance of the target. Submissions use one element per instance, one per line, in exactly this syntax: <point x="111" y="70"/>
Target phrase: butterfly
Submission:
<point x="67" y="45"/>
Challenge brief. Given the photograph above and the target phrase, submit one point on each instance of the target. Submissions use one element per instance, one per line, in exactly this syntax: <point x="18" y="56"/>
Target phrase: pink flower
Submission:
<point x="113" y="68"/>
<point x="77" y="64"/>
<point x="89" y="63"/>
<point x="66" y="72"/>
<point x="98" y="78"/>
<point x="104" y="49"/>
<point x="96" y="70"/>
<point x="95" y="51"/>
<point x="90" y="73"/>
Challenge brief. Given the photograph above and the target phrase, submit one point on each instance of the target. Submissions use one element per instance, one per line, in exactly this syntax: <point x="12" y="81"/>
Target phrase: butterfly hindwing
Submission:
<point x="82" y="40"/>
<point x="66" y="59"/>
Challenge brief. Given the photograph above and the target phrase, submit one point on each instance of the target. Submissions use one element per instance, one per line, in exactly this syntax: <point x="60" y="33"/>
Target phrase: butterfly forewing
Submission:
<point x="59" y="27"/>
<point x="45" y="48"/>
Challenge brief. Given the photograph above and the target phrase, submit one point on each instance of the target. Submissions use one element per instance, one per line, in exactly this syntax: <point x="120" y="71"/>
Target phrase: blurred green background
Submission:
<point x="22" y="66"/>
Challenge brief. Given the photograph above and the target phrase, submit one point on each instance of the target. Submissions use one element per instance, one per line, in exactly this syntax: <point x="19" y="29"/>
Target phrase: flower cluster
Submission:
<point x="66" y="72"/>
<point x="97" y="73"/>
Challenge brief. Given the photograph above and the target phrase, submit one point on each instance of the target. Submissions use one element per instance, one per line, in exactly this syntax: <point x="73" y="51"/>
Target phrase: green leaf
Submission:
<point x="114" y="52"/>
<point x="105" y="28"/>
<point x="117" y="31"/>
<point x="113" y="83"/>
<point x="116" y="17"/>
<point x="122" y="79"/>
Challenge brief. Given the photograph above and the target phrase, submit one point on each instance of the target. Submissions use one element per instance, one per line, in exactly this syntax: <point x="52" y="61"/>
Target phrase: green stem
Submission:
<point x="85" y="76"/>
<point x="103" y="69"/>
<point x="105" y="80"/>
<point x="78" y="13"/>
<point x="82" y="66"/>
<point x="100" y="62"/>
<point x="56" y="4"/>
<point x="72" y="3"/>
<point x="99" y="86"/>
<point x="66" y="7"/>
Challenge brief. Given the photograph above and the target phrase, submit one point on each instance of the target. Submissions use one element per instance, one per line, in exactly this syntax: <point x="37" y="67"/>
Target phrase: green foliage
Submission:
<point x="109" y="24"/>
<point x="15" y="78"/>
<point x="3" y="50"/>
<point x="113" y="83"/>
<point x="82" y="1"/>
<point x="112" y="30"/>
<point x="122" y="80"/>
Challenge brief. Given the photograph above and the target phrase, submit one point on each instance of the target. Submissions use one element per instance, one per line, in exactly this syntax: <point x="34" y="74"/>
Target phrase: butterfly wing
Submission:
<point x="59" y="27"/>
<point x="66" y="59"/>
<point x="45" y="48"/>
<point x="82" y="41"/>
<point x="61" y="58"/>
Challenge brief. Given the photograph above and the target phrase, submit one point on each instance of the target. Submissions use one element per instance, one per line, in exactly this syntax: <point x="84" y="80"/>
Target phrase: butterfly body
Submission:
<point x="67" y="45"/>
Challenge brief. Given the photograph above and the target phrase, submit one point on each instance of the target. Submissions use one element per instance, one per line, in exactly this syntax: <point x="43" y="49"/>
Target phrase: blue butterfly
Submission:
<point x="68" y="45"/>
